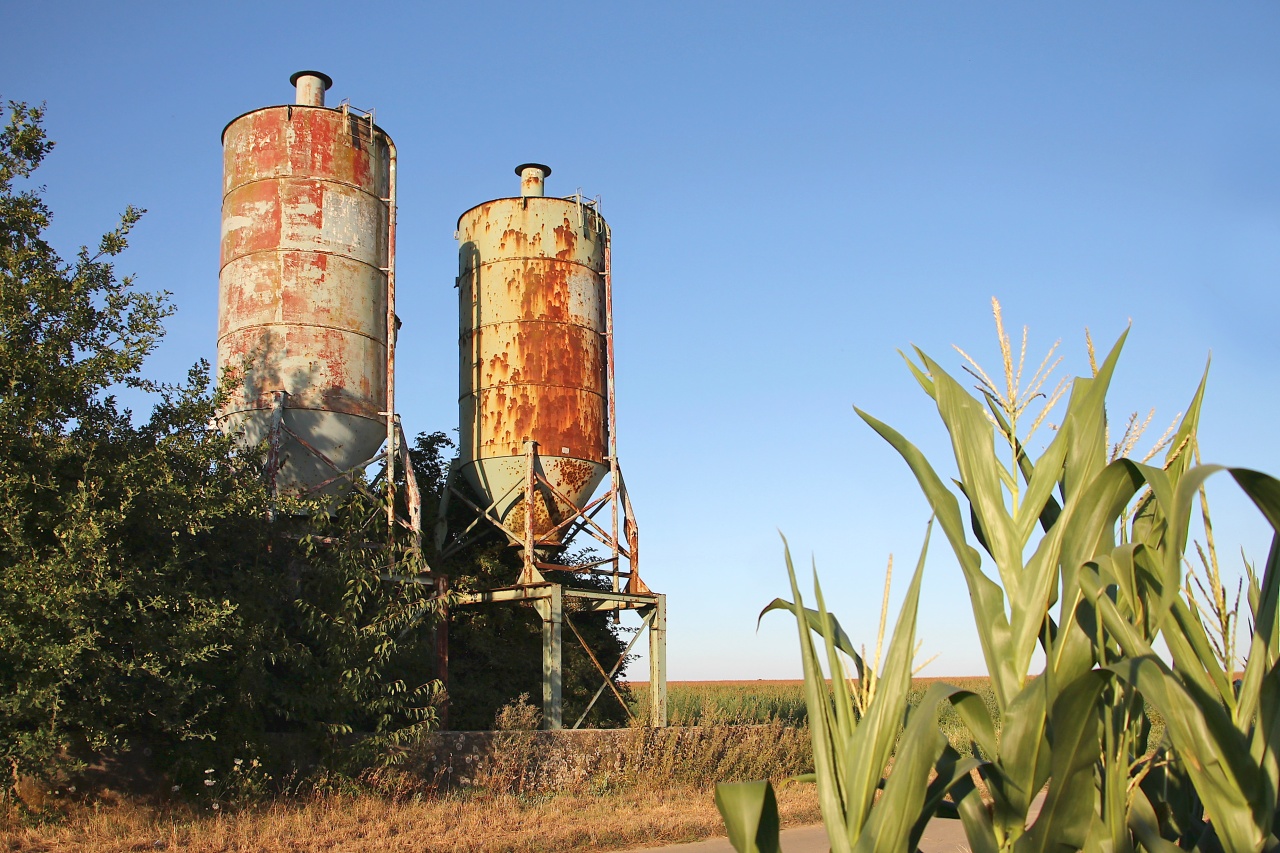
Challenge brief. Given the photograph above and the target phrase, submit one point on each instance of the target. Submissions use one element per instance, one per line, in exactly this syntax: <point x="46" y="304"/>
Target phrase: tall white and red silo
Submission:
<point x="304" y="290"/>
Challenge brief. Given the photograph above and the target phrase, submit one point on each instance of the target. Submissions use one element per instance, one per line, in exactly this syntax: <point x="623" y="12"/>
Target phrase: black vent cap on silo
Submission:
<point x="328" y="81"/>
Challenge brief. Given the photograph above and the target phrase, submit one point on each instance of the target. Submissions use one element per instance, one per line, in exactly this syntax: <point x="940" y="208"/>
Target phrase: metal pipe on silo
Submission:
<point x="311" y="86"/>
<point x="533" y="178"/>
<point x="392" y="450"/>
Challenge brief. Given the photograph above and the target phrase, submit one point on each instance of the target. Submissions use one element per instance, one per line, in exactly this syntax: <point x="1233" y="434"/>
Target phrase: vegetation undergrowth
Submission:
<point x="588" y="790"/>
<point x="162" y="612"/>
<point x="466" y="822"/>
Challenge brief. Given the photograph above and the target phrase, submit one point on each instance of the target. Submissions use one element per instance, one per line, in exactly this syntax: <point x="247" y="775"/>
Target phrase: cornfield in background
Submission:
<point x="746" y="703"/>
<point x="1078" y="555"/>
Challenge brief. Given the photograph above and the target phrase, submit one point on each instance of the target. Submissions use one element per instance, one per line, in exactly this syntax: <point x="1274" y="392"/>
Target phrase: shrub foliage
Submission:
<point x="152" y="590"/>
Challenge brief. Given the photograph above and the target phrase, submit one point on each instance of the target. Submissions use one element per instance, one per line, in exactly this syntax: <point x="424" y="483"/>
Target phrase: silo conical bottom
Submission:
<point x="504" y="477"/>
<point x="346" y="440"/>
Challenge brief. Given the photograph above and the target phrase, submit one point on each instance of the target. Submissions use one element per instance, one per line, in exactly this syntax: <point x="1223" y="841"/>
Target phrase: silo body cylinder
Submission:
<point x="303" y="282"/>
<point x="533" y="350"/>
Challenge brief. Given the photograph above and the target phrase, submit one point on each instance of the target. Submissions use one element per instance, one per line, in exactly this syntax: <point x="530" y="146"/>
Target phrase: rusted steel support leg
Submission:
<point x="442" y="651"/>
<point x="551" y="609"/>
<point x="658" y="664"/>
<point x="530" y="573"/>
<point x="412" y="495"/>
<point x="613" y="507"/>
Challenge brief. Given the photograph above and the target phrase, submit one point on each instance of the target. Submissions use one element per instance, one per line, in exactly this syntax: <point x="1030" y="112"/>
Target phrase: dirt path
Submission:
<point x="940" y="836"/>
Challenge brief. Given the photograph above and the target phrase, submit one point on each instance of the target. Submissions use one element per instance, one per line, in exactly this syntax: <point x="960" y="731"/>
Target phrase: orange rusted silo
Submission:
<point x="308" y="195"/>
<point x="533" y="351"/>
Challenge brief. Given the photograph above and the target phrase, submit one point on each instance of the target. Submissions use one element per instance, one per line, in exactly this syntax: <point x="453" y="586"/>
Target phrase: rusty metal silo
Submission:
<point x="307" y="285"/>
<point x="533" y="353"/>
<point x="538" y="424"/>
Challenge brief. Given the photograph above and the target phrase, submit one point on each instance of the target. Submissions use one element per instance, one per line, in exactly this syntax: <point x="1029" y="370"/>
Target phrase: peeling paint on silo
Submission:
<point x="303" y="282"/>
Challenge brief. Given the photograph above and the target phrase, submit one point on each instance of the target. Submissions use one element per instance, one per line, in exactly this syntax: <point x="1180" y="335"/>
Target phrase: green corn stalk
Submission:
<point x="1103" y="582"/>
<point x="851" y="751"/>
<point x="1024" y="759"/>
<point x="1224" y="738"/>
<point x="1078" y="728"/>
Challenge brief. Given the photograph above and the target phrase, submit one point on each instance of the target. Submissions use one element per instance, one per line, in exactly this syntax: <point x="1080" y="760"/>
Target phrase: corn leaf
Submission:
<point x="1023" y="765"/>
<point x="986" y="596"/>
<point x="973" y="443"/>
<point x="1144" y="823"/>
<point x="926" y="382"/>
<point x="871" y="744"/>
<point x="1075" y="732"/>
<point x="1086" y="420"/>
<point x="1178" y="458"/>
<point x="817" y="625"/>
<point x="900" y="815"/>
<point x="822" y="732"/>
<point x="1265" y="493"/>
<point x="978" y="828"/>
<point x="750" y="812"/>
<point x="1215" y="752"/>
<point x="973" y="712"/>
<point x="1088" y="522"/>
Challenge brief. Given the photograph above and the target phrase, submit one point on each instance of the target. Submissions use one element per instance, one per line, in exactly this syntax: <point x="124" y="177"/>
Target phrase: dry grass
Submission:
<point x="518" y="791"/>
<point x="477" y="822"/>
<point x="651" y="787"/>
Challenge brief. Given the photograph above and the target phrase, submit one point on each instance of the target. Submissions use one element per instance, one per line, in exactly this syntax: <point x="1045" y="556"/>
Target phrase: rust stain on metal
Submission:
<point x="575" y="474"/>
<point x="533" y="349"/>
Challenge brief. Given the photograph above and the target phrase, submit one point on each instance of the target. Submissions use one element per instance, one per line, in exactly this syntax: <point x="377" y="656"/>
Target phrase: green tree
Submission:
<point x="147" y="594"/>
<point x="495" y="651"/>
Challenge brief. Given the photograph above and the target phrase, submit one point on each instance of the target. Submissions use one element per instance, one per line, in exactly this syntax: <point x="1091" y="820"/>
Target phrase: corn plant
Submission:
<point x="854" y="727"/>
<point x="1222" y="735"/>
<point x="1087" y="547"/>
<point x="1081" y="725"/>
<point x="1044" y="732"/>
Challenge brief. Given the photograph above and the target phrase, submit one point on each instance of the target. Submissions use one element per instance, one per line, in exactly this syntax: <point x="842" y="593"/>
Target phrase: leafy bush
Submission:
<point x="147" y="596"/>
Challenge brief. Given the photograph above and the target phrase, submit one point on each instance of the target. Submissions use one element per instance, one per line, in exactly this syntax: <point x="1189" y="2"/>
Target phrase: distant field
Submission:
<point x="692" y="703"/>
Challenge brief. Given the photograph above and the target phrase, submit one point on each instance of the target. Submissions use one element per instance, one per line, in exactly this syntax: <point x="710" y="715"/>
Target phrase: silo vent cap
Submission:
<point x="325" y="78"/>
<point x="532" y="179"/>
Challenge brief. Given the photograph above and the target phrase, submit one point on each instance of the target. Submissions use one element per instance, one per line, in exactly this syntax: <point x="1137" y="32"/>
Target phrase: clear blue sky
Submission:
<point x="796" y="191"/>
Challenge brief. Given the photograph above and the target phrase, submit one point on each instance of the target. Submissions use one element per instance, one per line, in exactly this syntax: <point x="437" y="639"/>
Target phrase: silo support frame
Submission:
<point x="487" y="514"/>
<point x="549" y="601"/>
<point x="397" y="449"/>
<point x="551" y="609"/>
<point x="580" y="519"/>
